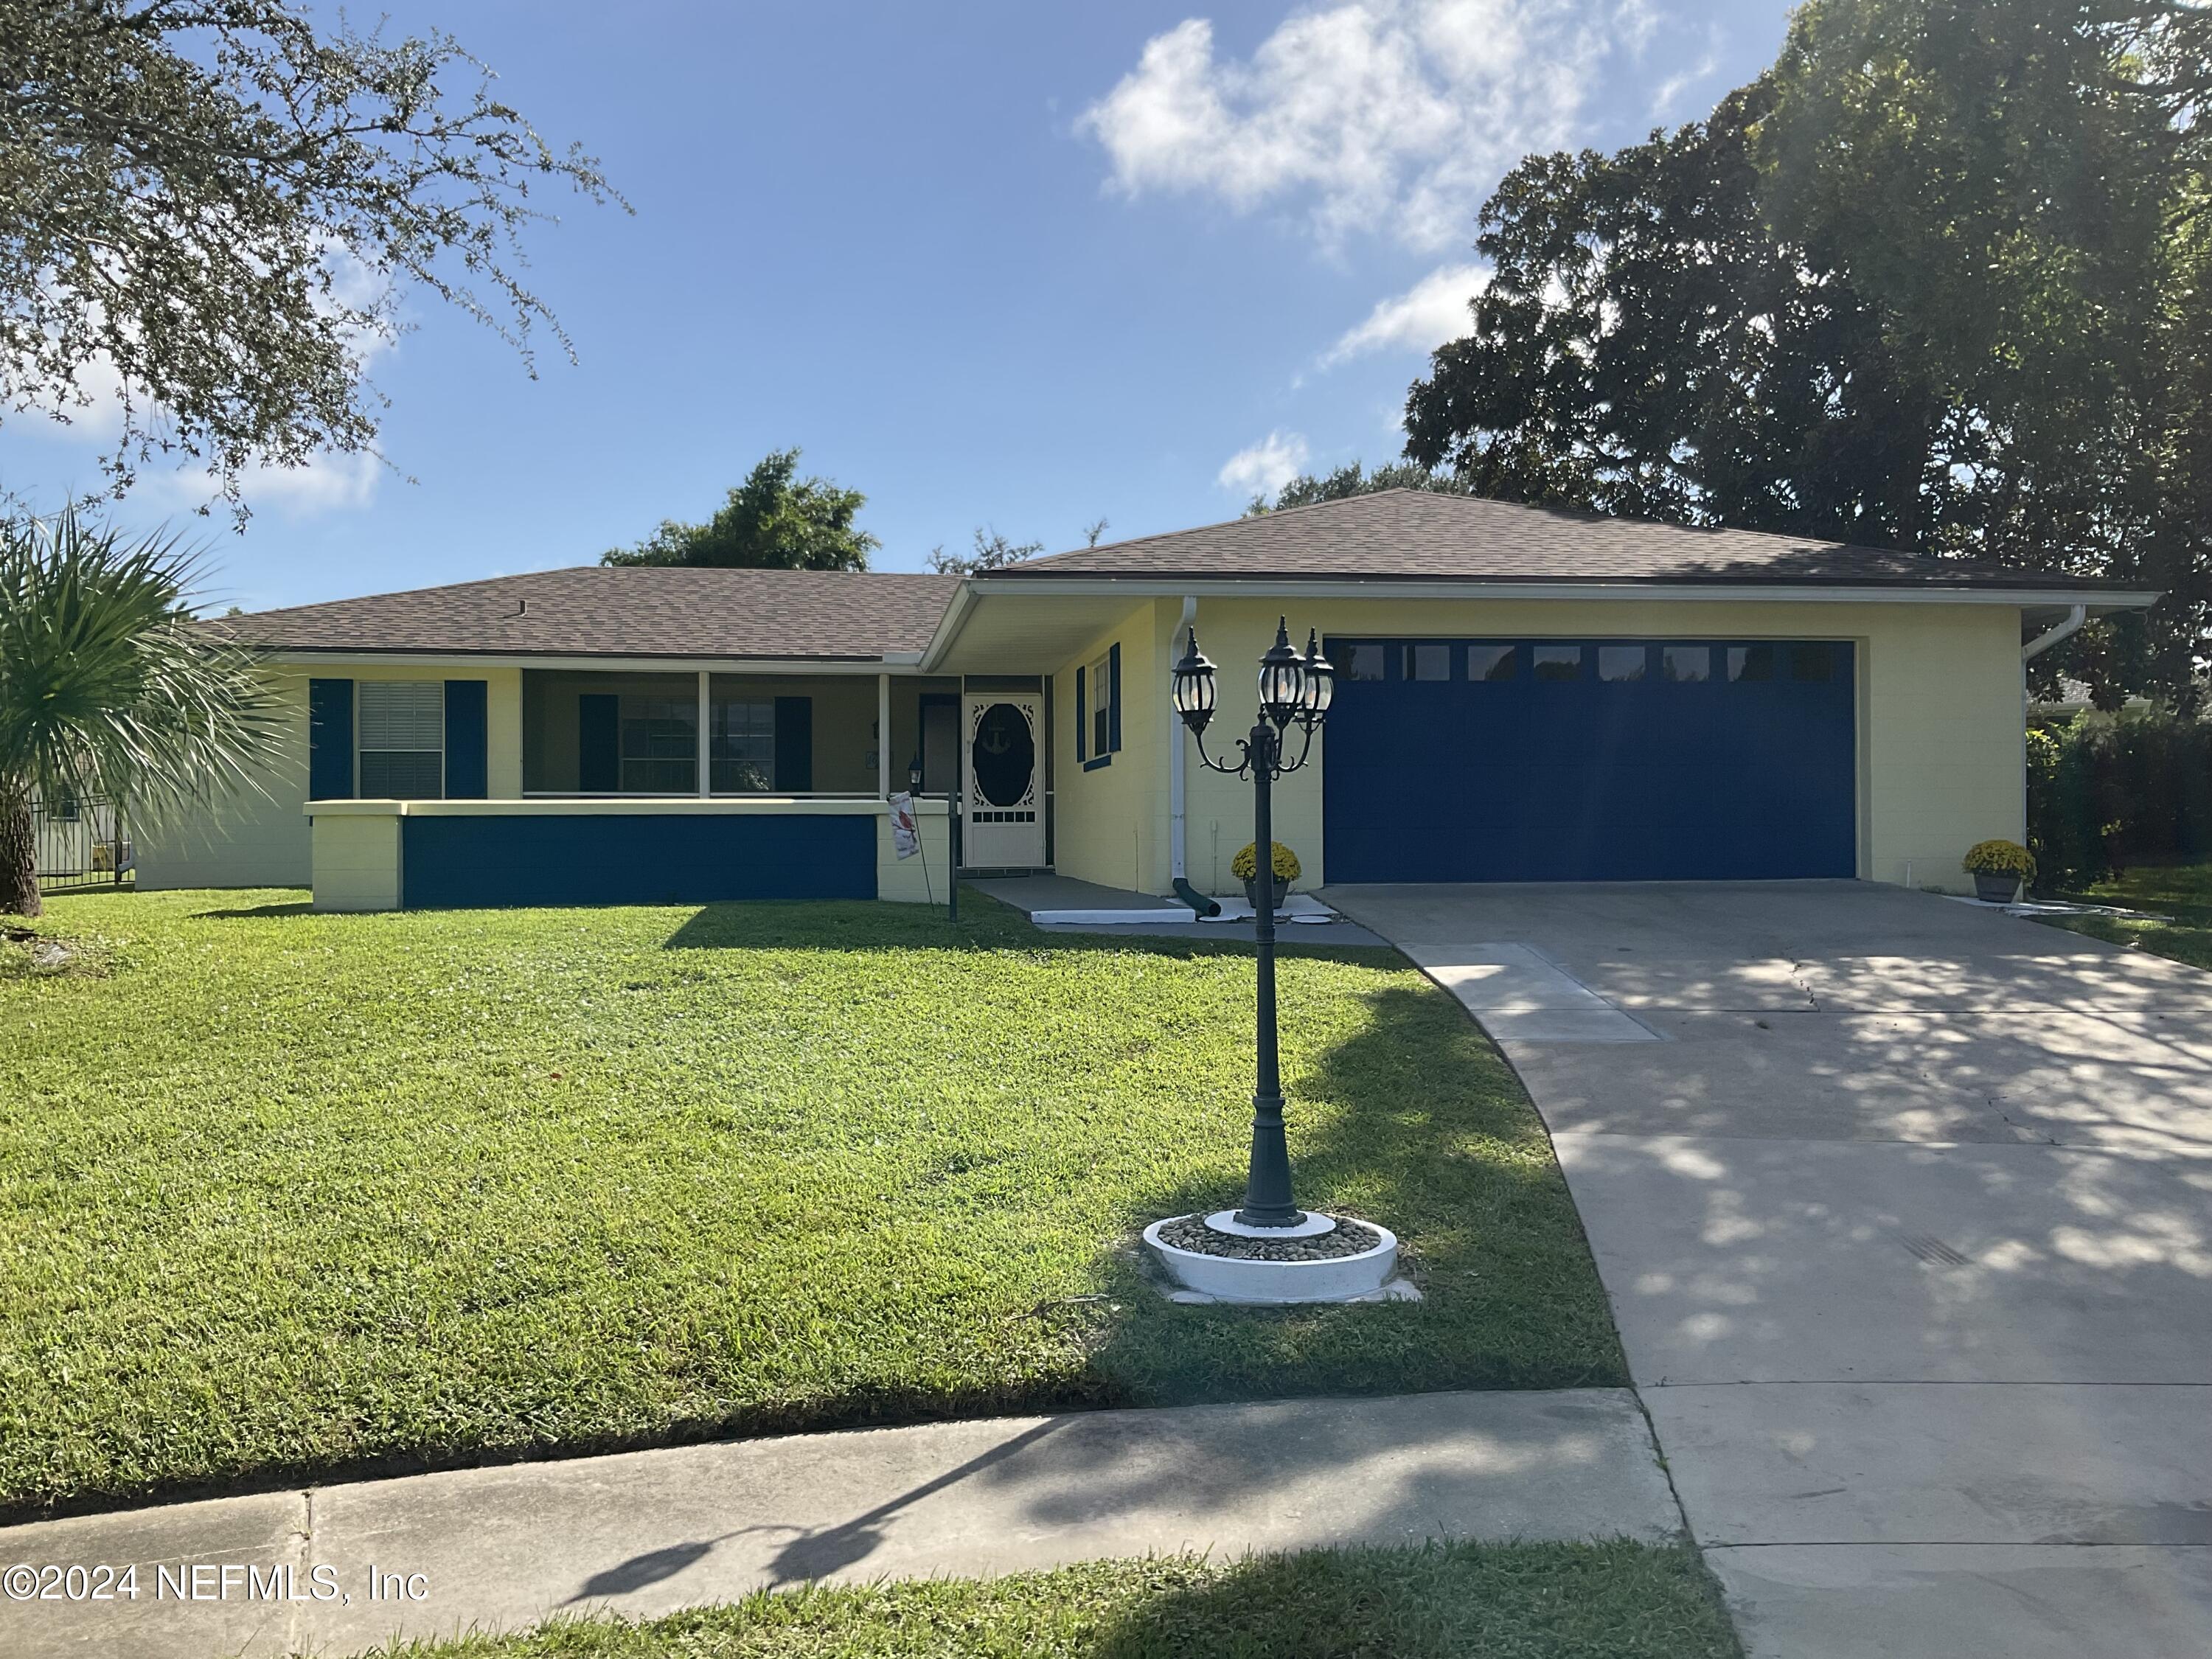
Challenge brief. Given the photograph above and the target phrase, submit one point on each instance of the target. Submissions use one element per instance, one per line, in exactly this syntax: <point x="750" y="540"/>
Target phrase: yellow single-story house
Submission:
<point x="1521" y="695"/>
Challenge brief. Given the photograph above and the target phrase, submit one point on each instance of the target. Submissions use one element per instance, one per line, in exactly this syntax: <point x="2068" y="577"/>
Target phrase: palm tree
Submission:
<point x="108" y="686"/>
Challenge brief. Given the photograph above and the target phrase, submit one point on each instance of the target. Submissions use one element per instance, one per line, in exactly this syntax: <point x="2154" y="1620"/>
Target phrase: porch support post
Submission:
<point x="884" y="736"/>
<point x="706" y="777"/>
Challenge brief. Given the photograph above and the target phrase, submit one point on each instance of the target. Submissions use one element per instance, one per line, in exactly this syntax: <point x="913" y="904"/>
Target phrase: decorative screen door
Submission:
<point x="1005" y="822"/>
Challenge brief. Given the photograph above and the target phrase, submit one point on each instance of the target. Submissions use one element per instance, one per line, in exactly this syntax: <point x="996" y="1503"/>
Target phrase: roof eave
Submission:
<point x="953" y="619"/>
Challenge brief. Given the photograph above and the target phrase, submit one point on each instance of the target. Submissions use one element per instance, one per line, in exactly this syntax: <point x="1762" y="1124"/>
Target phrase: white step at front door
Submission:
<point x="1005" y="795"/>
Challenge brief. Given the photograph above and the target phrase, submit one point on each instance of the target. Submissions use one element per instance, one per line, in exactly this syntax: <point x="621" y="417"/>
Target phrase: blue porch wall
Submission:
<point x="470" y="862"/>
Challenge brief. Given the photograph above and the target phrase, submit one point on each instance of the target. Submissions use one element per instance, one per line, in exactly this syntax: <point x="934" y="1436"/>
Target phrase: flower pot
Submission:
<point x="1252" y="894"/>
<point x="1996" y="886"/>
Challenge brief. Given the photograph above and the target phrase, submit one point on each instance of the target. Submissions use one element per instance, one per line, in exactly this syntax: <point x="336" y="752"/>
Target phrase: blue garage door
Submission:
<point x="1590" y="760"/>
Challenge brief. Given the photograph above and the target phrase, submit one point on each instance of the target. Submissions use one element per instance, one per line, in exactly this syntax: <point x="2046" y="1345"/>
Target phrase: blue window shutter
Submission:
<point x="598" y="742"/>
<point x="468" y="763"/>
<point x="1082" y="720"/>
<point x="330" y="739"/>
<point x="794" y="744"/>
<point x="1114" y="698"/>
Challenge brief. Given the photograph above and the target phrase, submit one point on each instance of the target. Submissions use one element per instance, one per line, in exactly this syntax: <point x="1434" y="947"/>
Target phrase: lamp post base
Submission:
<point x="1307" y="1225"/>
<point x="1355" y="1277"/>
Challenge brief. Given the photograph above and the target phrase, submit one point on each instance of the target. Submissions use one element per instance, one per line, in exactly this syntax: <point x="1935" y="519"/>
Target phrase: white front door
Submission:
<point x="1005" y="793"/>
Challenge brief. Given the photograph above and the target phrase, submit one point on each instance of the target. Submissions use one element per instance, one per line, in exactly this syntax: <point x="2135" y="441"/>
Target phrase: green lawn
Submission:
<point x="1615" y="1600"/>
<point x="285" y="1194"/>
<point x="2181" y="891"/>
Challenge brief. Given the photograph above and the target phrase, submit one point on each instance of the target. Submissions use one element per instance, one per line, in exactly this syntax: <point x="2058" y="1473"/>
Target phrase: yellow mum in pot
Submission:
<point x="1999" y="858"/>
<point x="1246" y="865"/>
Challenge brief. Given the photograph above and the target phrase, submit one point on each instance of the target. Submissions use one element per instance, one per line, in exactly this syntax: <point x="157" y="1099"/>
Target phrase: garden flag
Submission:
<point x="906" y="838"/>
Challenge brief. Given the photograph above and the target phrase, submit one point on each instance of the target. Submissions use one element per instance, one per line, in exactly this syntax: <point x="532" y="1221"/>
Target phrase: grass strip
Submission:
<point x="1602" y="1600"/>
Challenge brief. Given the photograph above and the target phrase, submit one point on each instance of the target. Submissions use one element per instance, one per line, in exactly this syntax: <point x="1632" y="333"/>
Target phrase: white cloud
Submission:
<point x="1393" y="115"/>
<point x="1421" y="319"/>
<point x="1671" y="88"/>
<point x="1265" y="467"/>
<point x="327" y="481"/>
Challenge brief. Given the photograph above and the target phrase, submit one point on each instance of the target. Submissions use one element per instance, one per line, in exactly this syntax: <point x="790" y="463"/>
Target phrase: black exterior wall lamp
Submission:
<point x="1294" y="691"/>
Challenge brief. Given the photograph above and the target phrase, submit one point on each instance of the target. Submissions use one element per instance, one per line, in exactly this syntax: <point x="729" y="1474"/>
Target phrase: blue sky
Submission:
<point x="1021" y="264"/>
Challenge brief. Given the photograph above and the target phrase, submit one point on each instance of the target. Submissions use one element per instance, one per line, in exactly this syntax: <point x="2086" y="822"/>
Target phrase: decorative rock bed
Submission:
<point x="1347" y="1238"/>
<point x="1327" y="1259"/>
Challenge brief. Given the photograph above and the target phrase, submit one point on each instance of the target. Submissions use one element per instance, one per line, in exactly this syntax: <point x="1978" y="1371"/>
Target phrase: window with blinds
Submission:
<point x="659" y="745"/>
<point x="743" y="746"/>
<point x="402" y="726"/>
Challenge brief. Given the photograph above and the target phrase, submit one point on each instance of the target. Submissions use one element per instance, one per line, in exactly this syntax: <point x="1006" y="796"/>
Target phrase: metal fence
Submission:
<point x="80" y="843"/>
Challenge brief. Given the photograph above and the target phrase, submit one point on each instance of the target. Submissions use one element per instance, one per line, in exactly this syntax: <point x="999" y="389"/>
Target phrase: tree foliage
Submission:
<point x="775" y="520"/>
<point x="1308" y="489"/>
<point x="991" y="551"/>
<point x="107" y="686"/>
<point x="2106" y="792"/>
<point x="210" y="210"/>
<point x="1935" y="281"/>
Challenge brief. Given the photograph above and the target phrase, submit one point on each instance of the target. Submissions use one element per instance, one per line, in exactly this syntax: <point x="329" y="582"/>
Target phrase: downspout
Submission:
<point x="1178" y="867"/>
<point x="2075" y="615"/>
<point x="2043" y="641"/>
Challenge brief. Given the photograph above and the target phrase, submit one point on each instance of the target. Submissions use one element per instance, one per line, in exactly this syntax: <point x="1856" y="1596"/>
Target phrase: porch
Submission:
<point x="635" y="785"/>
<point x="705" y="735"/>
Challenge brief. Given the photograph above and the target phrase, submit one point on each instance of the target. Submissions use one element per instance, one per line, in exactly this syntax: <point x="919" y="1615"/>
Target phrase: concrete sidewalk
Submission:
<point x="647" y="1533"/>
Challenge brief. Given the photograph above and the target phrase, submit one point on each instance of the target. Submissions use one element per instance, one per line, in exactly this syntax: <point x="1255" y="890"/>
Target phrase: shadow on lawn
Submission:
<point x="986" y="924"/>
<point x="256" y="912"/>
<point x="1612" y="1599"/>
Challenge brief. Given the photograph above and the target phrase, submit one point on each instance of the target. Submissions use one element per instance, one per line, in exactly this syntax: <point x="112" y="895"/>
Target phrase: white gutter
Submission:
<point x="1175" y="746"/>
<point x="849" y="667"/>
<point x="2042" y="642"/>
<point x="1281" y="587"/>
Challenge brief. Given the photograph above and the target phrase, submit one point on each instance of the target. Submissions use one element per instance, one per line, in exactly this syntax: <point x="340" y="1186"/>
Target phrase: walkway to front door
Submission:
<point x="1906" y="1210"/>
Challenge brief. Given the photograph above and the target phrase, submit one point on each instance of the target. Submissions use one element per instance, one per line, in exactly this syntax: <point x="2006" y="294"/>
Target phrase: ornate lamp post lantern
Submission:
<point x="1294" y="691"/>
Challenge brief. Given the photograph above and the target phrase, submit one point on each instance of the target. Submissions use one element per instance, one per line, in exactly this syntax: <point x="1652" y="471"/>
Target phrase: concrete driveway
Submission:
<point x="1905" y="1206"/>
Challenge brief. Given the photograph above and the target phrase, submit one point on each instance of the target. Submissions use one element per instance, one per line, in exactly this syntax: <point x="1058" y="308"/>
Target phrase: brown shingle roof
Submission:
<point x="650" y="611"/>
<point x="1416" y="534"/>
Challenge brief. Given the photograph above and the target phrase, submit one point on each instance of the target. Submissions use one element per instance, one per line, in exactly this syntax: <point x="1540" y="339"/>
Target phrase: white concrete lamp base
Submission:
<point x="1225" y="1221"/>
<point x="1359" y="1277"/>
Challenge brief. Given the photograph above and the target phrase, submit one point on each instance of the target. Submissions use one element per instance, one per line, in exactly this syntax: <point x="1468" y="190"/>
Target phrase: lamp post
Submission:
<point x="1293" y="690"/>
